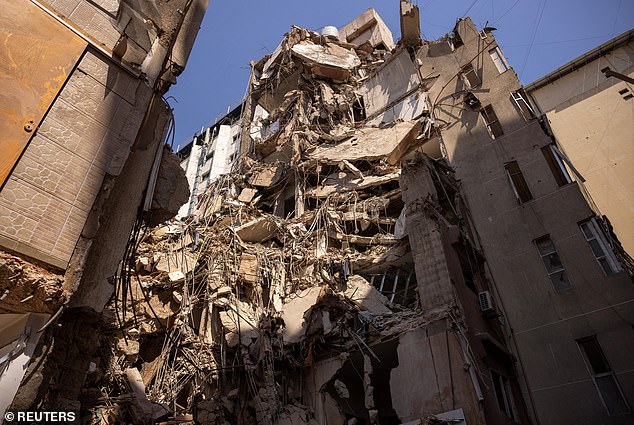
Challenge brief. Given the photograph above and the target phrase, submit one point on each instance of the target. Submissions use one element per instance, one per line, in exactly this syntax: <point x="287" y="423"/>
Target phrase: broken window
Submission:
<point x="518" y="183"/>
<point x="519" y="98"/>
<point x="556" y="164"/>
<point x="491" y="121"/>
<point x="502" y="389"/>
<point x="399" y="287"/>
<point x="470" y="76"/>
<point x="600" y="247"/>
<point x="603" y="377"/>
<point x="552" y="262"/>
<point x="498" y="60"/>
<point x="210" y="154"/>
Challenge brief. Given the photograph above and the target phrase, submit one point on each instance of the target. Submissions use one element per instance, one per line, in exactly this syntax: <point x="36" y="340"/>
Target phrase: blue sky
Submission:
<point x="537" y="36"/>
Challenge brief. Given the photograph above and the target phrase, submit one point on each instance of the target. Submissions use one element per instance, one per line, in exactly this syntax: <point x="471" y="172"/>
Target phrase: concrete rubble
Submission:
<point x="299" y="257"/>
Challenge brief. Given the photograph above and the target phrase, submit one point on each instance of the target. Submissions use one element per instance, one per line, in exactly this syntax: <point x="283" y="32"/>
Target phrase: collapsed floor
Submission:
<point x="224" y="317"/>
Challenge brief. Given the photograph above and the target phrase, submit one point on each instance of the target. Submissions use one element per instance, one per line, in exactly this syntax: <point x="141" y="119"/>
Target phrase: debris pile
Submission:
<point x="27" y="287"/>
<point x="300" y="258"/>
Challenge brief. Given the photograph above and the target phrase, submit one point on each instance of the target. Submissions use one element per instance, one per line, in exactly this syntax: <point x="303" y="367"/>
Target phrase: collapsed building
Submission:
<point x="313" y="281"/>
<point x="401" y="240"/>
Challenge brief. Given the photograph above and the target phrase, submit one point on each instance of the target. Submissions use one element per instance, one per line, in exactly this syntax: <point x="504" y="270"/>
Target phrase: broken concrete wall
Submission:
<point x="392" y="94"/>
<point x="426" y="238"/>
<point x="170" y="191"/>
<point x="431" y="374"/>
<point x="368" y="28"/>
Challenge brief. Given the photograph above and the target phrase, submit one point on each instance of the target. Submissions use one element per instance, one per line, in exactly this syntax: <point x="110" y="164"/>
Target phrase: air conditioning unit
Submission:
<point x="486" y="302"/>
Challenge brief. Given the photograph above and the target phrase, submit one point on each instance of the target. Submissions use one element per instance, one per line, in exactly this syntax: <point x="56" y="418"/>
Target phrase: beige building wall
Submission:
<point x="592" y="118"/>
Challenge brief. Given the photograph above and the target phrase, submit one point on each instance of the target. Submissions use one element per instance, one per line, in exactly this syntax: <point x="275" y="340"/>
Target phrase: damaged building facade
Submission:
<point x="401" y="239"/>
<point x="210" y="154"/>
<point x="84" y="156"/>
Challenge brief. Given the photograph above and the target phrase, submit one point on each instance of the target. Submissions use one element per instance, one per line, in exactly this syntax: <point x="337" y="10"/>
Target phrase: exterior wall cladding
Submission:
<point x="83" y="127"/>
<point x="599" y="144"/>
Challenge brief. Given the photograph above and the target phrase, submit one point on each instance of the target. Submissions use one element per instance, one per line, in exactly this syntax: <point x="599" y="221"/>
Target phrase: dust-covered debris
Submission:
<point x="26" y="287"/>
<point x="301" y="255"/>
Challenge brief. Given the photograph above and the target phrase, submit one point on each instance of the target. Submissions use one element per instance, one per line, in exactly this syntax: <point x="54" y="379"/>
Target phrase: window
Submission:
<point x="502" y="389"/>
<point x="519" y="98"/>
<point x="554" y="267"/>
<point x="603" y="377"/>
<point x="398" y="287"/>
<point x="600" y="247"/>
<point x="498" y="60"/>
<point x="204" y="181"/>
<point x="491" y="121"/>
<point x="626" y="94"/>
<point x="518" y="184"/>
<point x="556" y="164"/>
<point x="470" y="76"/>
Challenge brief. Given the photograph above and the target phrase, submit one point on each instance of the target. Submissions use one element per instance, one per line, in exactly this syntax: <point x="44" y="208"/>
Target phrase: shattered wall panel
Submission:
<point x="389" y="93"/>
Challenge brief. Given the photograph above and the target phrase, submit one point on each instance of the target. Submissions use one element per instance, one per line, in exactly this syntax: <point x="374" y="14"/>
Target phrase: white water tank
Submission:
<point x="330" y="31"/>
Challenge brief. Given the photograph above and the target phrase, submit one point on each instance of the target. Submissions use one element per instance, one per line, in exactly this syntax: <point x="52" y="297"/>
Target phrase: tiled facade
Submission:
<point x="46" y="201"/>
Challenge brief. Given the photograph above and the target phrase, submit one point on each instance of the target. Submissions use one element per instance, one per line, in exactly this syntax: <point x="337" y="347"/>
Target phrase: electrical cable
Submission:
<point x="472" y="4"/>
<point x="538" y="20"/>
<point x="507" y="11"/>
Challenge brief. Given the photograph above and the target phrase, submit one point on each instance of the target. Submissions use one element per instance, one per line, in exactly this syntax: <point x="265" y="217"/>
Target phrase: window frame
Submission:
<point x="609" y="373"/>
<point x="503" y="383"/>
<point x="546" y="259"/>
<point x="606" y="250"/>
<point x="517" y="181"/>
<point x="491" y="121"/>
<point x="556" y="164"/>
<point x="519" y="97"/>
<point x="467" y="70"/>
<point x="501" y="60"/>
